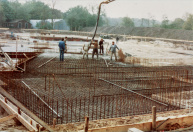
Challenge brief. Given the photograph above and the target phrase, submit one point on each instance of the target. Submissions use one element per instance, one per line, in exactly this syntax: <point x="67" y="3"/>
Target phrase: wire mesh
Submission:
<point x="75" y="88"/>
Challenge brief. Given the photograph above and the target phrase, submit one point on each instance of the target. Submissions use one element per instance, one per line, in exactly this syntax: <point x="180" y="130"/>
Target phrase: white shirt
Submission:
<point x="86" y="46"/>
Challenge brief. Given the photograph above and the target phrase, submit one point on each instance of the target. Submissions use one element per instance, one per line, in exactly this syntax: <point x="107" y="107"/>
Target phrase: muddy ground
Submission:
<point x="10" y="126"/>
<point x="124" y="120"/>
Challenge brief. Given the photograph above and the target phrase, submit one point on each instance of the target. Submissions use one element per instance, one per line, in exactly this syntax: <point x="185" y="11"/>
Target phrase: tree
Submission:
<point x="79" y="17"/>
<point x="53" y="6"/>
<point x="7" y="10"/>
<point x="38" y="10"/>
<point x="76" y="17"/>
<point x="20" y="11"/>
<point x="44" y="25"/>
<point x="127" y="22"/>
<point x="16" y="6"/>
<point x="188" y="25"/>
<point x="177" y="24"/>
<point x="165" y="22"/>
<point x="145" y="22"/>
<point x="2" y="16"/>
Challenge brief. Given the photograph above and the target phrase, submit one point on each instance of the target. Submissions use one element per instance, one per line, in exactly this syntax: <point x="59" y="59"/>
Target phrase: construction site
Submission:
<point x="45" y="94"/>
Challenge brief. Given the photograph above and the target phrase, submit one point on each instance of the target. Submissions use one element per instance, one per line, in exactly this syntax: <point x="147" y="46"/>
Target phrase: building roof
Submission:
<point x="17" y="20"/>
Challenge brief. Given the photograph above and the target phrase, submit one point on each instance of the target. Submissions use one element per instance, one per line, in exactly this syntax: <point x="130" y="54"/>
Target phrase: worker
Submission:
<point x="65" y="39"/>
<point x="113" y="50"/>
<point x="86" y="48"/>
<point x="61" y="49"/>
<point x="101" y="46"/>
<point x="95" y="49"/>
<point x="117" y="39"/>
<point x="12" y="35"/>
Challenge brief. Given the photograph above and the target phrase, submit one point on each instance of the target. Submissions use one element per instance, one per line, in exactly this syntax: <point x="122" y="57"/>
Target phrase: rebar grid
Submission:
<point x="72" y="89"/>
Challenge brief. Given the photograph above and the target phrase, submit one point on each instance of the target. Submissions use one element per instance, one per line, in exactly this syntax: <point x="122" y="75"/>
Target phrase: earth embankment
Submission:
<point x="145" y="31"/>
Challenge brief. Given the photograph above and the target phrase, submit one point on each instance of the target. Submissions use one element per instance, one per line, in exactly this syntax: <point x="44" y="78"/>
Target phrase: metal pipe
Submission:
<point x="104" y="2"/>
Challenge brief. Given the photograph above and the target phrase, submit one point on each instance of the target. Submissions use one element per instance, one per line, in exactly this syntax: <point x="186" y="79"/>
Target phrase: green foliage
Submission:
<point x="57" y="14"/>
<point x="2" y="16"/>
<point x="44" y="25"/>
<point x="177" y="24"/>
<point x="79" y="17"/>
<point x="7" y="10"/>
<point x="20" y="12"/>
<point x="188" y="25"/>
<point x="145" y="22"/>
<point x="39" y="10"/>
<point x="127" y="22"/>
<point x="30" y="10"/>
<point x="16" y="6"/>
<point x="165" y="23"/>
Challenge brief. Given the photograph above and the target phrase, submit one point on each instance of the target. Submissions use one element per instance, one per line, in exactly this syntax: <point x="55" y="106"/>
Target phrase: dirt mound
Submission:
<point x="145" y="31"/>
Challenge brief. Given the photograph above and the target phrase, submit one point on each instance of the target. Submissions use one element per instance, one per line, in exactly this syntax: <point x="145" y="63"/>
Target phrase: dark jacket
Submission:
<point x="101" y="43"/>
<point x="61" y="45"/>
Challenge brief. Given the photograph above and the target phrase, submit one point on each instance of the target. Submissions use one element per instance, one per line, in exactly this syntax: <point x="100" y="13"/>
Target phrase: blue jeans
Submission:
<point x="61" y="55"/>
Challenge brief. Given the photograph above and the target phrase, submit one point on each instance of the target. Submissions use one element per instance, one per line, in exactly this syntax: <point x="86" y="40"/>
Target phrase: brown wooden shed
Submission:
<point x="17" y="24"/>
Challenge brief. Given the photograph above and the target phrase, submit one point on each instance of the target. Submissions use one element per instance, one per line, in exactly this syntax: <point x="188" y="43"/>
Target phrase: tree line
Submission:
<point x="78" y="17"/>
<point x="178" y="23"/>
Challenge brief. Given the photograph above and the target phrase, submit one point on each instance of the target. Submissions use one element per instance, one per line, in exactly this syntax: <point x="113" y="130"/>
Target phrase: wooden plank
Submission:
<point x="9" y="112"/>
<point x="19" y="117"/>
<point x="46" y="62"/>
<point x="3" y="41"/>
<point x="26" y="117"/>
<point x="7" y="118"/>
<point x="28" y="112"/>
<point x="27" y="59"/>
<point x="4" y="28"/>
<point x="183" y="80"/>
<point x="8" y="59"/>
<point x="25" y="55"/>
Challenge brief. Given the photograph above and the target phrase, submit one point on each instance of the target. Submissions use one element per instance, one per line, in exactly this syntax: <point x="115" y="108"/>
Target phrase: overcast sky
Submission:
<point x="133" y="8"/>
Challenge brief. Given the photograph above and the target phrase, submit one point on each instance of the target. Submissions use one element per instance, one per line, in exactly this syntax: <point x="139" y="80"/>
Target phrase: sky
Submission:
<point x="132" y="8"/>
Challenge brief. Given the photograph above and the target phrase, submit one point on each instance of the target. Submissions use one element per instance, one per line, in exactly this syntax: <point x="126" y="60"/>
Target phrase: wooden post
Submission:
<point x="154" y="118"/>
<point x="19" y="110"/>
<point x="5" y="93"/>
<point x="38" y="127"/>
<point x="86" y="124"/>
<point x="54" y="122"/>
<point x="2" y="111"/>
<point x="7" y="118"/>
<point x="31" y="122"/>
<point x="5" y="100"/>
<point x="24" y="66"/>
